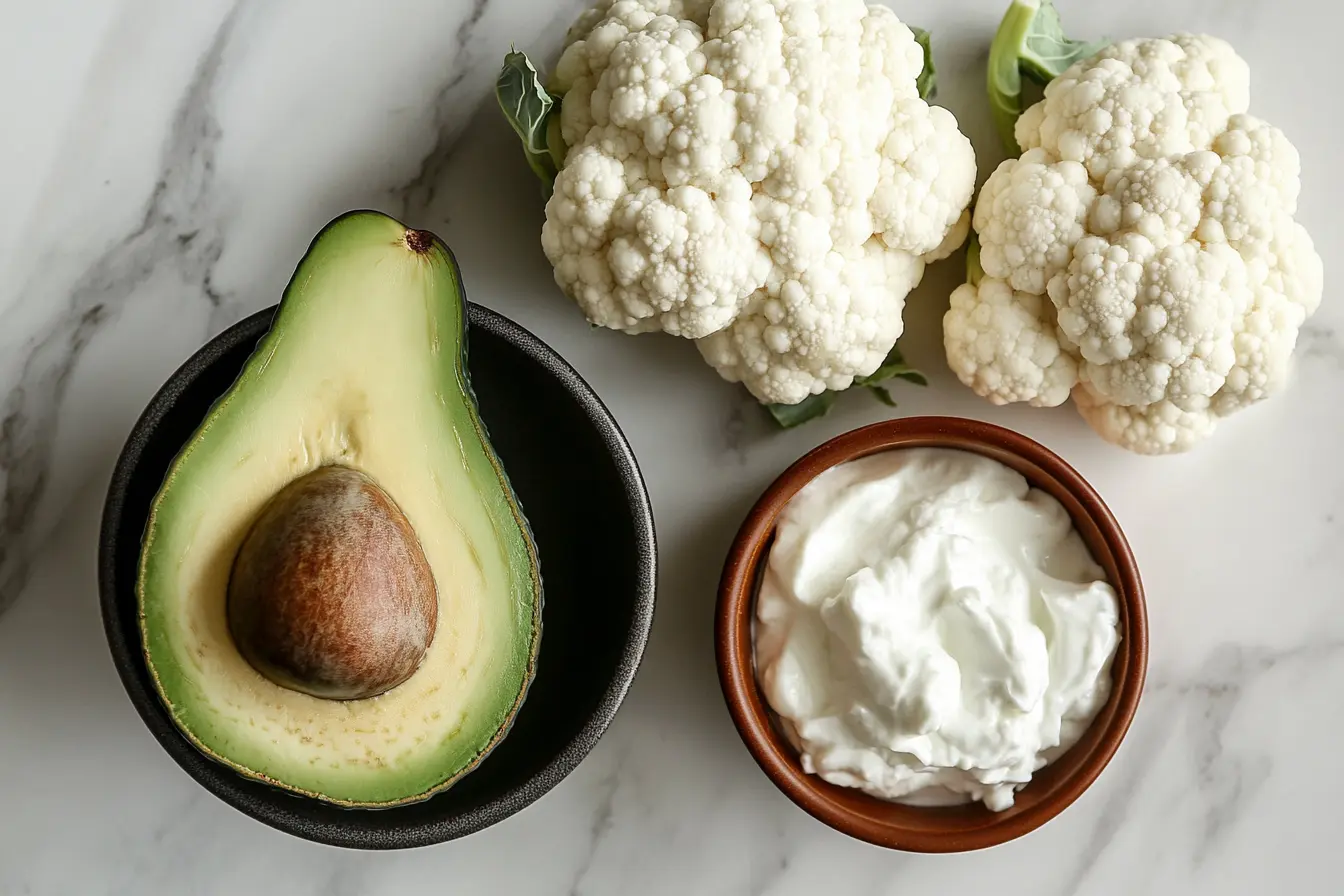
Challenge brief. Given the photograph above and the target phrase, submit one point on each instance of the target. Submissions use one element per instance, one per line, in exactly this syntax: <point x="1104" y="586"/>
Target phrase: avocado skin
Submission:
<point x="523" y="563"/>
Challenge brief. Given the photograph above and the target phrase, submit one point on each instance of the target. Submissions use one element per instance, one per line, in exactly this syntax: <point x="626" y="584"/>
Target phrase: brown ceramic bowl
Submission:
<point x="944" y="828"/>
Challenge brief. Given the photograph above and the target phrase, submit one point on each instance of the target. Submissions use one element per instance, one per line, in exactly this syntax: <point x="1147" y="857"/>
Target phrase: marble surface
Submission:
<point x="164" y="165"/>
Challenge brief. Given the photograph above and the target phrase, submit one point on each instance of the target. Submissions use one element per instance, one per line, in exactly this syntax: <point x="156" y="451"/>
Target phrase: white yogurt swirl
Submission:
<point x="931" y="628"/>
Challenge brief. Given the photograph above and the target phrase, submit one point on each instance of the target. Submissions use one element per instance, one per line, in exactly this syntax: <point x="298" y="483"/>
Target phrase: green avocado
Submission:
<point x="339" y="594"/>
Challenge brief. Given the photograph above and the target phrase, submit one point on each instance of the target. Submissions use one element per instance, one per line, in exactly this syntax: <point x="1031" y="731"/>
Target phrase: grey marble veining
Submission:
<point x="178" y="227"/>
<point x="167" y="177"/>
<point x="183" y="224"/>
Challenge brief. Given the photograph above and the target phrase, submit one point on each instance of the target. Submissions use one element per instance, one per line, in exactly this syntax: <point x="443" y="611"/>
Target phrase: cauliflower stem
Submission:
<point x="1030" y="42"/>
<point x="974" y="272"/>
<point x="814" y="406"/>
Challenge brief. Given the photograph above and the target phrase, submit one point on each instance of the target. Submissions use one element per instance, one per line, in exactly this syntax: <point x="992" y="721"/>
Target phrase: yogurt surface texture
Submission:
<point x="932" y="629"/>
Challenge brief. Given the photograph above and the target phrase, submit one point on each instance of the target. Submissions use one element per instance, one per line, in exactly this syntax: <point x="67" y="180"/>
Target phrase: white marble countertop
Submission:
<point x="163" y="167"/>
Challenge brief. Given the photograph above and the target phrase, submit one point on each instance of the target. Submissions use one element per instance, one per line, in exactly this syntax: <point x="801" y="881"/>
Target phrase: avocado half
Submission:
<point x="363" y="371"/>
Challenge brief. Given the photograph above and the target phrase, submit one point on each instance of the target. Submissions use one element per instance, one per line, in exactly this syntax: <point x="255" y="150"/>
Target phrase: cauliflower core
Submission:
<point x="761" y="177"/>
<point x="1141" y="255"/>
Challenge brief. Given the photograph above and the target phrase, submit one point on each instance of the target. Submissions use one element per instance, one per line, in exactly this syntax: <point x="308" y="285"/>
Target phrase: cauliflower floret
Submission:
<point x="1291" y="267"/>
<point x="1263" y="343"/>
<point x="1160" y="428"/>
<point x="592" y="40"/>
<point x="1286" y="286"/>
<point x="921" y="188"/>
<point x="1139" y="99"/>
<point x="953" y="241"/>
<point x="1162" y="199"/>
<point x="649" y="259"/>
<point x="1003" y="345"/>
<point x="1152" y="324"/>
<point x="728" y="162"/>
<point x="1147" y="236"/>
<point x="1029" y="215"/>
<point x="1208" y="66"/>
<point x="1269" y="158"/>
<point x="834" y="321"/>
<point x="1258" y="171"/>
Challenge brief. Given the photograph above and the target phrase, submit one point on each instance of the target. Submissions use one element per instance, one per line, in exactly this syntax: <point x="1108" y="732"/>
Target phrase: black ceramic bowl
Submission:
<point x="582" y="492"/>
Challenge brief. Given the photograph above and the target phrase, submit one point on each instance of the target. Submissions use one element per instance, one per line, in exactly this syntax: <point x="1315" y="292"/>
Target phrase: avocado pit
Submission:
<point x="330" y="592"/>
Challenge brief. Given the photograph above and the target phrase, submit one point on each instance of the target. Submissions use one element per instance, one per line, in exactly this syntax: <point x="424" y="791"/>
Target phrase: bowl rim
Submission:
<point x="281" y="810"/>
<point x="734" y="617"/>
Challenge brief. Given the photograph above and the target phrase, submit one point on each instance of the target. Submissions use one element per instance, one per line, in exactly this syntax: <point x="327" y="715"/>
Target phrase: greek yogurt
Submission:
<point x="932" y="629"/>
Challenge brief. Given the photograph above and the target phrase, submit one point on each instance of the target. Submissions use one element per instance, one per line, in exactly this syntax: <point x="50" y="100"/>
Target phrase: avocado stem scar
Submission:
<point x="419" y="241"/>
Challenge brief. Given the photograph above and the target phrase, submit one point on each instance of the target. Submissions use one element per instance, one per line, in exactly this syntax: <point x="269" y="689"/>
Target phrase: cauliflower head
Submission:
<point x="762" y="176"/>
<point x="1141" y="254"/>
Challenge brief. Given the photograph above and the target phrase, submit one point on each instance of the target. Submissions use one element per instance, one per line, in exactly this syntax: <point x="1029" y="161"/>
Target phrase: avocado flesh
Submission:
<point x="364" y="366"/>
